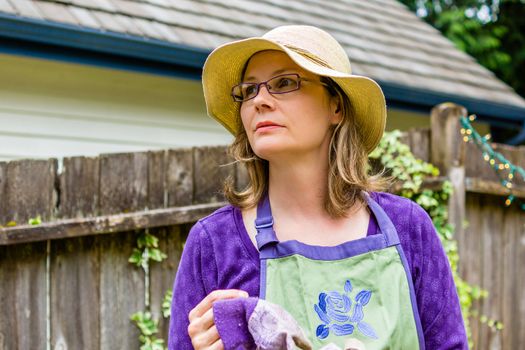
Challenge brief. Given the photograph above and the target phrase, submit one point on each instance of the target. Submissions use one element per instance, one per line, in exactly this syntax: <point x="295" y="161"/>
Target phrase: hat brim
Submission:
<point x="224" y="67"/>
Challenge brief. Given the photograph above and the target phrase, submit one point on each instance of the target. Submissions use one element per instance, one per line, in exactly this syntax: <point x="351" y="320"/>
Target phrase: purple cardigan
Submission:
<point x="220" y="255"/>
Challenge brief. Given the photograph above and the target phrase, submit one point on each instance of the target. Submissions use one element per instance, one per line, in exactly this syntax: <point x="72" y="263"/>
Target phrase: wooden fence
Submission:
<point x="67" y="283"/>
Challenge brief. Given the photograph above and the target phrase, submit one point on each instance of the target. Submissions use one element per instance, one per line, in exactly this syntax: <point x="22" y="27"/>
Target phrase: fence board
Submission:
<point x="156" y="179"/>
<point x="518" y="312"/>
<point x="210" y="171"/>
<point x="121" y="292"/>
<point x="419" y="141"/>
<point x="23" y="296"/>
<point x="162" y="275"/>
<point x="3" y="189"/>
<point x="74" y="276"/>
<point x="470" y="252"/>
<point x="509" y="300"/>
<point x="492" y="268"/>
<point x="179" y="177"/>
<point x="123" y="182"/>
<point x="79" y="187"/>
<point x="30" y="189"/>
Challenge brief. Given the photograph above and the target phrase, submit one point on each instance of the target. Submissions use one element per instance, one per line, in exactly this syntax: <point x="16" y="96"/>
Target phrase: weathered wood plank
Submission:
<point x="179" y="177"/>
<point x="3" y="189"/>
<point x="511" y="298"/>
<point x="518" y="321"/>
<point x="123" y="182"/>
<point x="30" y="189"/>
<point x="121" y="292"/>
<point x="23" y="296"/>
<point x="492" y="269"/>
<point x="79" y="187"/>
<point x="211" y="168"/>
<point x="156" y="179"/>
<point x="470" y="253"/>
<point x="477" y="185"/>
<point x="419" y="141"/>
<point x="162" y="275"/>
<point x="448" y="154"/>
<point x="105" y="224"/>
<point x="75" y="273"/>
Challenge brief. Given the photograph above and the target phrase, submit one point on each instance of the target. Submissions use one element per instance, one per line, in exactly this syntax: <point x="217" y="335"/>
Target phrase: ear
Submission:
<point x="335" y="110"/>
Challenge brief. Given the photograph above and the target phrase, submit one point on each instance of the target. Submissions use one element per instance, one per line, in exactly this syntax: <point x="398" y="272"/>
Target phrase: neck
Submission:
<point x="298" y="186"/>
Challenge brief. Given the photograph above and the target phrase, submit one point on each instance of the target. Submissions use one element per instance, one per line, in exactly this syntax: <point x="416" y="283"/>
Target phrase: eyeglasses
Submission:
<point x="281" y="84"/>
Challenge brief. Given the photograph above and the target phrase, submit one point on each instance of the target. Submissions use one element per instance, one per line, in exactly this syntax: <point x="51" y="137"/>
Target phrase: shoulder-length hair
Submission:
<point x="348" y="170"/>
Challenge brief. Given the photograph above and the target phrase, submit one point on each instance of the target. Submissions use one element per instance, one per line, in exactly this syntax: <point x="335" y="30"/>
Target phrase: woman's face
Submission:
<point x="296" y="123"/>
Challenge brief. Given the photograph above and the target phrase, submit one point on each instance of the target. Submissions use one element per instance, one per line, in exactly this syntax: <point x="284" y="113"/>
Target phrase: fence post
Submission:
<point x="447" y="152"/>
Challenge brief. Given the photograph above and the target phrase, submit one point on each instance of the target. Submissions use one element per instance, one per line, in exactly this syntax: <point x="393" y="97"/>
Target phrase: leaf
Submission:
<point x="156" y="255"/>
<point x="322" y="301"/>
<point x="136" y="257"/>
<point x="348" y="286"/>
<point x="322" y="315"/>
<point x="367" y="330"/>
<point x="363" y="297"/>
<point x="322" y="331"/>
<point x="341" y="330"/>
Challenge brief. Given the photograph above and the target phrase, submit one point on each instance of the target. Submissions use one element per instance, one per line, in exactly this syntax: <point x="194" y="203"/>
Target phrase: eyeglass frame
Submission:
<point x="265" y="83"/>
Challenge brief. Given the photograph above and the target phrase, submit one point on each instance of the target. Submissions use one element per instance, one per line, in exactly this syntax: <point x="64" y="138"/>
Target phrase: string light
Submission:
<point x="496" y="160"/>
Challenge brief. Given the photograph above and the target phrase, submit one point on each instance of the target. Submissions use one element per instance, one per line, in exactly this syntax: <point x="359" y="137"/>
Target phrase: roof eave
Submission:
<point x="66" y="42"/>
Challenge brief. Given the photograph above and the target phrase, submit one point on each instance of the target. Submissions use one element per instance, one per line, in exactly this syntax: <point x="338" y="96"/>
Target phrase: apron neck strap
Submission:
<point x="383" y="221"/>
<point x="264" y="224"/>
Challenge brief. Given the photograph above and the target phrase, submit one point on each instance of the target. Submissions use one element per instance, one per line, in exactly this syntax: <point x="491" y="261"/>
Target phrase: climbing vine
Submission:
<point x="148" y="250"/>
<point x="410" y="172"/>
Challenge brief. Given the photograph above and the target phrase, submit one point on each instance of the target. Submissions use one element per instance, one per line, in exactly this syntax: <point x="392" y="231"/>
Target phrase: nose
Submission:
<point x="263" y="100"/>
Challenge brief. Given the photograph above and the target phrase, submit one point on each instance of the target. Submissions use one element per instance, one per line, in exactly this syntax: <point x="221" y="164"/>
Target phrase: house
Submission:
<point x="84" y="77"/>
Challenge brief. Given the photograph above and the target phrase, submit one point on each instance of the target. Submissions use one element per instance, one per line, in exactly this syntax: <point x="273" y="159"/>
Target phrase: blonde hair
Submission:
<point x="348" y="165"/>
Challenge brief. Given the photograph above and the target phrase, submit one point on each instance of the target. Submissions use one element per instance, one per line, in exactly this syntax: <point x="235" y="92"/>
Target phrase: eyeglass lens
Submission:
<point x="277" y="85"/>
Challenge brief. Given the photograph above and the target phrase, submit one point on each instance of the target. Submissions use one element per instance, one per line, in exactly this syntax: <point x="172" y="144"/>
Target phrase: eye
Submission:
<point x="249" y="90"/>
<point x="285" y="82"/>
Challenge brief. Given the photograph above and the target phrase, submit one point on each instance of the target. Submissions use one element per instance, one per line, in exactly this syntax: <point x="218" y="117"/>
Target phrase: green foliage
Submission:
<point x="147" y="250"/>
<point x="492" y="31"/>
<point x="166" y="303"/>
<point x="148" y="328"/>
<point x="35" y="221"/>
<point x="401" y="164"/>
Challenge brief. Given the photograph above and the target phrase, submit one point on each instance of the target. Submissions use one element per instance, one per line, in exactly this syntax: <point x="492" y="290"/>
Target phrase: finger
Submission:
<point x="208" y="301"/>
<point x="207" y="320"/>
<point x="218" y="345"/>
<point x="201" y="324"/>
<point x="206" y="339"/>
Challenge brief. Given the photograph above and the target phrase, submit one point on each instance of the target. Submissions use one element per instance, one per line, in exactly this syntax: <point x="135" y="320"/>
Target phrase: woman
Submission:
<point x="343" y="260"/>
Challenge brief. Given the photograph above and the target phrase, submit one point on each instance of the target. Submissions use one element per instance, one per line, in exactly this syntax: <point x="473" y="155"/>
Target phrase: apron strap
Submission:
<point x="264" y="224"/>
<point x="385" y="224"/>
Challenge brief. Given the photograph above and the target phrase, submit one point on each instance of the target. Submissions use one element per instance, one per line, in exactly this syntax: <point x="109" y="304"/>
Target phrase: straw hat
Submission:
<point x="312" y="49"/>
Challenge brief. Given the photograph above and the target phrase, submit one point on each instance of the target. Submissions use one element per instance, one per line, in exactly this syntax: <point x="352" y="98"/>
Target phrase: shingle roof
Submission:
<point x="382" y="37"/>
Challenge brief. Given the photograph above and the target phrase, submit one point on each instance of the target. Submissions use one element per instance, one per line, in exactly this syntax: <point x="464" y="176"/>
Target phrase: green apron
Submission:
<point x="359" y="289"/>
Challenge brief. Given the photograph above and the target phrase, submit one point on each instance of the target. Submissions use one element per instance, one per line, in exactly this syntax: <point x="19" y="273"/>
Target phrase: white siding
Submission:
<point x="56" y="109"/>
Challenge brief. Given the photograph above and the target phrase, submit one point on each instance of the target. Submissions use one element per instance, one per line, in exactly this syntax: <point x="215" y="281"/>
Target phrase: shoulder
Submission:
<point x="402" y="211"/>
<point x="221" y="221"/>
<point x="220" y="226"/>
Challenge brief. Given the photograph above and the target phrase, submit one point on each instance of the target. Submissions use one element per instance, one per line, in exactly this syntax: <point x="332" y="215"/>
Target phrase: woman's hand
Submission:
<point x="202" y="329"/>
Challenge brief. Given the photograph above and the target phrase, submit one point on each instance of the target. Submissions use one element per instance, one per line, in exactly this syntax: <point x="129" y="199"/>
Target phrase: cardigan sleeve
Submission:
<point x="436" y="294"/>
<point x="194" y="280"/>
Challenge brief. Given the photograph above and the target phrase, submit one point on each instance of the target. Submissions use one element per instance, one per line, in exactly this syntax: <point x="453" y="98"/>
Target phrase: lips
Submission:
<point x="266" y="125"/>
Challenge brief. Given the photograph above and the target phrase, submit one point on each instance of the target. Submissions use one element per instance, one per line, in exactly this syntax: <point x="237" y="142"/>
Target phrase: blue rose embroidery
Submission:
<point x="334" y="309"/>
